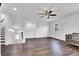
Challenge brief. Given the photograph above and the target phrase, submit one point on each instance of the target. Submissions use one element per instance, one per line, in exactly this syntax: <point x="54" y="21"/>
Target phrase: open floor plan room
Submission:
<point x="39" y="29"/>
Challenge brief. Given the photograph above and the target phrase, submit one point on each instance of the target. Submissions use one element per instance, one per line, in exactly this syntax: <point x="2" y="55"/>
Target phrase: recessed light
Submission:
<point x="14" y="9"/>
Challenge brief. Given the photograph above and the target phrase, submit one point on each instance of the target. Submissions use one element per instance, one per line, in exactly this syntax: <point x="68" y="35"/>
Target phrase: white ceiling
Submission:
<point x="30" y="10"/>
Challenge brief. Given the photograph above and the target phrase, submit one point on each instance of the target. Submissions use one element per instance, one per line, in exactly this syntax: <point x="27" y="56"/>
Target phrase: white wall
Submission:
<point x="67" y="24"/>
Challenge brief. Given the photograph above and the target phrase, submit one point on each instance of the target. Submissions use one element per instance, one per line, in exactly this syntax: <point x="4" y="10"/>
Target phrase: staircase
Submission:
<point x="2" y="36"/>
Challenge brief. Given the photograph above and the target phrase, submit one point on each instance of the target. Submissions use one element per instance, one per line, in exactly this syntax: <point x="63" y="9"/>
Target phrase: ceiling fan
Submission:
<point x="47" y="13"/>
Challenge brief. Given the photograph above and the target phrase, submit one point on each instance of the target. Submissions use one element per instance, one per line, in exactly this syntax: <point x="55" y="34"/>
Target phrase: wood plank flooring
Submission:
<point x="40" y="47"/>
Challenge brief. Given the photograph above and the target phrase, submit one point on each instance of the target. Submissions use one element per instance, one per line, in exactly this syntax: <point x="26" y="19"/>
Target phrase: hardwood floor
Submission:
<point x="40" y="47"/>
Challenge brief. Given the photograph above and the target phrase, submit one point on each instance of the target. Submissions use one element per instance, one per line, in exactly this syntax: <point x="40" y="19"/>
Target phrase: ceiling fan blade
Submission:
<point x="52" y="15"/>
<point x="50" y="11"/>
